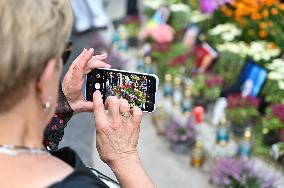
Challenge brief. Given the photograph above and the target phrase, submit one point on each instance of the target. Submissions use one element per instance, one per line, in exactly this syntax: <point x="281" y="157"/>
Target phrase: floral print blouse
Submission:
<point x="55" y="130"/>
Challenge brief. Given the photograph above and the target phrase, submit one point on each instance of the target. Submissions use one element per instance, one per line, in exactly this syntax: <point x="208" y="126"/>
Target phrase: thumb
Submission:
<point x="99" y="109"/>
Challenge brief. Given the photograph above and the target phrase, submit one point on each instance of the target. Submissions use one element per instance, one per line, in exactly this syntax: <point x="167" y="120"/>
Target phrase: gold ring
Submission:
<point x="125" y="114"/>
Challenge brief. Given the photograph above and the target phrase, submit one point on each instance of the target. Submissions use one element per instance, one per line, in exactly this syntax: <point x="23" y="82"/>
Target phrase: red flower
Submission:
<point x="278" y="110"/>
<point x="179" y="60"/>
<point x="282" y="135"/>
<point x="237" y="101"/>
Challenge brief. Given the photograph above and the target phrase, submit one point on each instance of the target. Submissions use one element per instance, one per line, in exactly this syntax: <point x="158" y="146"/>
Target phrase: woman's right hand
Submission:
<point x="117" y="138"/>
<point x="117" y="130"/>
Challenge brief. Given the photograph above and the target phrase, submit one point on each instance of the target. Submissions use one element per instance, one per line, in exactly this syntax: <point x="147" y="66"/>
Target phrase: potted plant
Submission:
<point x="273" y="124"/>
<point x="206" y="88"/>
<point x="240" y="111"/>
<point x="180" y="136"/>
<point x="234" y="173"/>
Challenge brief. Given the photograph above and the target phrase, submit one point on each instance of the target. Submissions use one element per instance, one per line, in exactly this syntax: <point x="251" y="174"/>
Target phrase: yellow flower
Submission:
<point x="265" y="13"/>
<point x="263" y="25"/>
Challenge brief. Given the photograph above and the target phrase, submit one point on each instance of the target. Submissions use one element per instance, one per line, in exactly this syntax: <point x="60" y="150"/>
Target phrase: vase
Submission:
<point x="180" y="148"/>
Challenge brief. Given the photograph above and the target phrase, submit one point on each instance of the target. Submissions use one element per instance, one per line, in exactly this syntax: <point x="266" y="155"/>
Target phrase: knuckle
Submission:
<point x="113" y="100"/>
<point x="98" y="106"/>
<point x="124" y="102"/>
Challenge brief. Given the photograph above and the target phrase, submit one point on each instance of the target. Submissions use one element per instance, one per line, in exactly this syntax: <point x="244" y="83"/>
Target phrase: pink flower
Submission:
<point x="163" y="33"/>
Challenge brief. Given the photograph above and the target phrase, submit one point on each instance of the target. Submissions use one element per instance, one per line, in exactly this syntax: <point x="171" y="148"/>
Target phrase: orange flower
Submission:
<point x="270" y="2"/>
<point x="274" y="11"/>
<point x="228" y="13"/>
<point x="281" y="6"/>
<point x="271" y="45"/>
<point x="255" y="16"/>
<point x="262" y="34"/>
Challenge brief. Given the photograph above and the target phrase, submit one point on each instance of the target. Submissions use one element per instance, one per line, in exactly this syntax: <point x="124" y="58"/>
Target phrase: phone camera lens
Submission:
<point x="98" y="76"/>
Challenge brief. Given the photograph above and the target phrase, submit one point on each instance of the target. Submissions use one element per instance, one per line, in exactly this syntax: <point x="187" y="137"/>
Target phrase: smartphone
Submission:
<point x="139" y="89"/>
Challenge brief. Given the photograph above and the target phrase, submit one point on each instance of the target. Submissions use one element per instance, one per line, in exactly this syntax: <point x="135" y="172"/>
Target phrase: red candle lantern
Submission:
<point x="198" y="113"/>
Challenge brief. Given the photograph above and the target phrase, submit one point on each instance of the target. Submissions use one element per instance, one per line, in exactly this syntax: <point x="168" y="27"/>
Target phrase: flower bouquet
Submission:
<point x="240" y="111"/>
<point x="273" y="124"/>
<point x="206" y="88"/>
<point x="234" y="173"/>
<point x="260" y="20"/>
<point x="180" y="136"/>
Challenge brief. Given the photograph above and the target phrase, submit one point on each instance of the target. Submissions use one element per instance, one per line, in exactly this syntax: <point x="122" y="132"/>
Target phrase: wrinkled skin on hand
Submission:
<point x="117" y="135"/>
<point x="73" y="81"/>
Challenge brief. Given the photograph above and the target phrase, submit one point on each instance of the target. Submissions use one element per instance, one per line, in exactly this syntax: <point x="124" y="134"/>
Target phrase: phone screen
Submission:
<point x="137" y="88"/>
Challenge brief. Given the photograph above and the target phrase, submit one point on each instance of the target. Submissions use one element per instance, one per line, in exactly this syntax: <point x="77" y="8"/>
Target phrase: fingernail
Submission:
<point x="97" y="92"/>
<point x="84" y="50"/>
<point x="108" y="66"/>
<point x="104" y="54"/>
<point x="91" y="50"/>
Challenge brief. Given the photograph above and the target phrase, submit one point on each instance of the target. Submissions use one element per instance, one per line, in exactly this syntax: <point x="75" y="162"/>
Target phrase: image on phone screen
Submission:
<point x="137" y="88"/>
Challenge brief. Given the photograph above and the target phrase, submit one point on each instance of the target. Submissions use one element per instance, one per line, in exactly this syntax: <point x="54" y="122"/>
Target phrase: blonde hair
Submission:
<point x="31" y="33"/>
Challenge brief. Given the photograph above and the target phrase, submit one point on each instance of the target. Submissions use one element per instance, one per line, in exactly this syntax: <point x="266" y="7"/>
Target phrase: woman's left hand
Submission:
<point x="73" y="81"/>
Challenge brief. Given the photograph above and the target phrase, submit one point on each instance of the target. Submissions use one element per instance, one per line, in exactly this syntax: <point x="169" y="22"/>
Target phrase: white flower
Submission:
<point x="197" y="16"/>
<point x="281" y="85"/>
<point x="276" y="76"/>
<point x="239" y="48"/>
<point x="228" y="31"/>
<point x="276" y="64"/>
<point x="153" y="4"/>
<point x="259" y="50"/>
<point x="179" y="8"/>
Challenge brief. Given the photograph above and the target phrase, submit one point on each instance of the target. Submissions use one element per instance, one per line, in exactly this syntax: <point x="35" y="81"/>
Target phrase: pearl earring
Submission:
<point x="47" y="105"/>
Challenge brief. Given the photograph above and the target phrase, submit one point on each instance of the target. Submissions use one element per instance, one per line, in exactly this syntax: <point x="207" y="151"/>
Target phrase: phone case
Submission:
<point x="135" y="73"/>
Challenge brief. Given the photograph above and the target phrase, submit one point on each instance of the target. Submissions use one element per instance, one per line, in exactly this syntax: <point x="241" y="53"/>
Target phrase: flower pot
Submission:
<point x="180" y="148"/>
<point x="271" y="138"/>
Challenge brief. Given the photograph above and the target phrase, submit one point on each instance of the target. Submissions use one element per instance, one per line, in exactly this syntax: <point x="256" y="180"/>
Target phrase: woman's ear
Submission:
<point x="45" y="80"/>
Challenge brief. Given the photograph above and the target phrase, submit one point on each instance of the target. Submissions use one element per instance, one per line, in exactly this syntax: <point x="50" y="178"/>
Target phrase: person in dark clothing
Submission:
<point x="32" y="43"/>
<point x="132" y="8"/>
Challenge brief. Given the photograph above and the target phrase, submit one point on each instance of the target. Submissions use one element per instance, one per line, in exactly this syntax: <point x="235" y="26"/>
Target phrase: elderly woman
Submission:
<point x="33" y="35"/>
